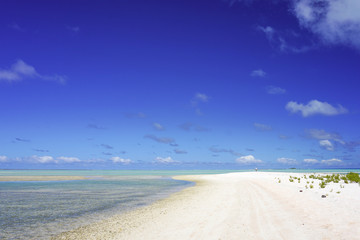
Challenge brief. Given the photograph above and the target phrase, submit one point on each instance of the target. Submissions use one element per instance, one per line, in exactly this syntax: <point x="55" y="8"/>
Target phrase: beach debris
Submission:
<point x="323" y="196"/>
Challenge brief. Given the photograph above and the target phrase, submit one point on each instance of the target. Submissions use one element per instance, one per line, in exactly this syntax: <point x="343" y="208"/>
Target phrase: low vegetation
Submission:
<point x="325" y="179"/>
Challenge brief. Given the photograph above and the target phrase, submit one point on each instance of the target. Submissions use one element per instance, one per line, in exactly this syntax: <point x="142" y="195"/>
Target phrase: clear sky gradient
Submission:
<point x="180" y="84"/>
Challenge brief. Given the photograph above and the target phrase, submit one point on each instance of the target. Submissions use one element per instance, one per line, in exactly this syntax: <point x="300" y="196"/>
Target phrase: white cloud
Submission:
<point x="262" y="127"/>
<point x="333" y="21"/>
<point x="21" y="70"/>
<point x="158" y="126"/>
<point x="165" y="160"/>
<point x="69" y="159"/>
<point x="279" y="39"/>
<point x="315" y="107"/>
<point x="3" y="158"/>
<point x="287" y="160"/>
<point x="275" y="90"/>
<point x="201" y="97"/>
<point x="258" y="73"/>
<point x="50" y="159"/>
<point x="326" y="144"/>
<point x="43" y="159"/>
<point x="321" y="134"/>
<point x="269" y="32"/>
<point x="120" y="160"/>
<point x="197" y="99"/>
<point x="249" y="159"/>
<point x="311" y="160"/>
<point x="331" y="161"/>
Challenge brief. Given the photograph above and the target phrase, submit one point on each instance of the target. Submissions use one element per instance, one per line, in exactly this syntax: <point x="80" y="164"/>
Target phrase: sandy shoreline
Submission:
<point x="239" y="206"/>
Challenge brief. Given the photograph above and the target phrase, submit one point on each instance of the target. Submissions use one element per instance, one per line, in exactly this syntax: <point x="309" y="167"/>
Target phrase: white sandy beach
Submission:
<point x="239" y="206"/>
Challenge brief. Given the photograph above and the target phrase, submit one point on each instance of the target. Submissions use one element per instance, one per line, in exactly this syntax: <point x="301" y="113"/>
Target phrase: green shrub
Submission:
<point x="353" y="177"/>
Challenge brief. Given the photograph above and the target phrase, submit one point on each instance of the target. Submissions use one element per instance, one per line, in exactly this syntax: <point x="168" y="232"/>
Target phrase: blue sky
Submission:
<point x="180" y="84"/>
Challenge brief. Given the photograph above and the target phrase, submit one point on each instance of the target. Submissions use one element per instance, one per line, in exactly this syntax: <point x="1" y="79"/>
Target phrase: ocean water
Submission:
<point x="111" y="172"/>
<point x="41" y="209"/>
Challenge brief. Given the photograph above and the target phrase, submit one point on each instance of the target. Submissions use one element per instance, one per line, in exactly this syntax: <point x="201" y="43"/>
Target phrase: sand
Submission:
<point x="239" y="206"/>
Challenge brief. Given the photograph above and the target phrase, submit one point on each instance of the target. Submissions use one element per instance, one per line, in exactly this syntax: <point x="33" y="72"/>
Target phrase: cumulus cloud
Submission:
<point x="332" y="161"/>
<point x="120" y="160"/>
<point x="3" y="158"/>
<point x="262" y="127"/>
<point x="333" y="21"/>
<point x="165" y="160"/>
<point x="311" y="160"/>
<point x="315" y="107"/>
<point x="326" y="144"/>
<point x="258" y="73"/>
<point x="158" y="126"/>
<point x="43" y="159"/>
<point x="275" y="90"/>
<point x="287" y="160"/>
<point x="50" y="159"/>
<point x="21" y="70"/>
<point x="160" y="139"/>
<point x="68" y="159"/>
<point x="249" y="159"/>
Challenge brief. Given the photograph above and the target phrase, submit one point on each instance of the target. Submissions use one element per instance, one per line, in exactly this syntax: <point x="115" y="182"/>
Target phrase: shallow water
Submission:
<point x="39" y="210"/>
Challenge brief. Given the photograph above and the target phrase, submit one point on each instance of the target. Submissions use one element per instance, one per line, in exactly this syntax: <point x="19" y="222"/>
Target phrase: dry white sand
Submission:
<point x="239" y="206"/>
